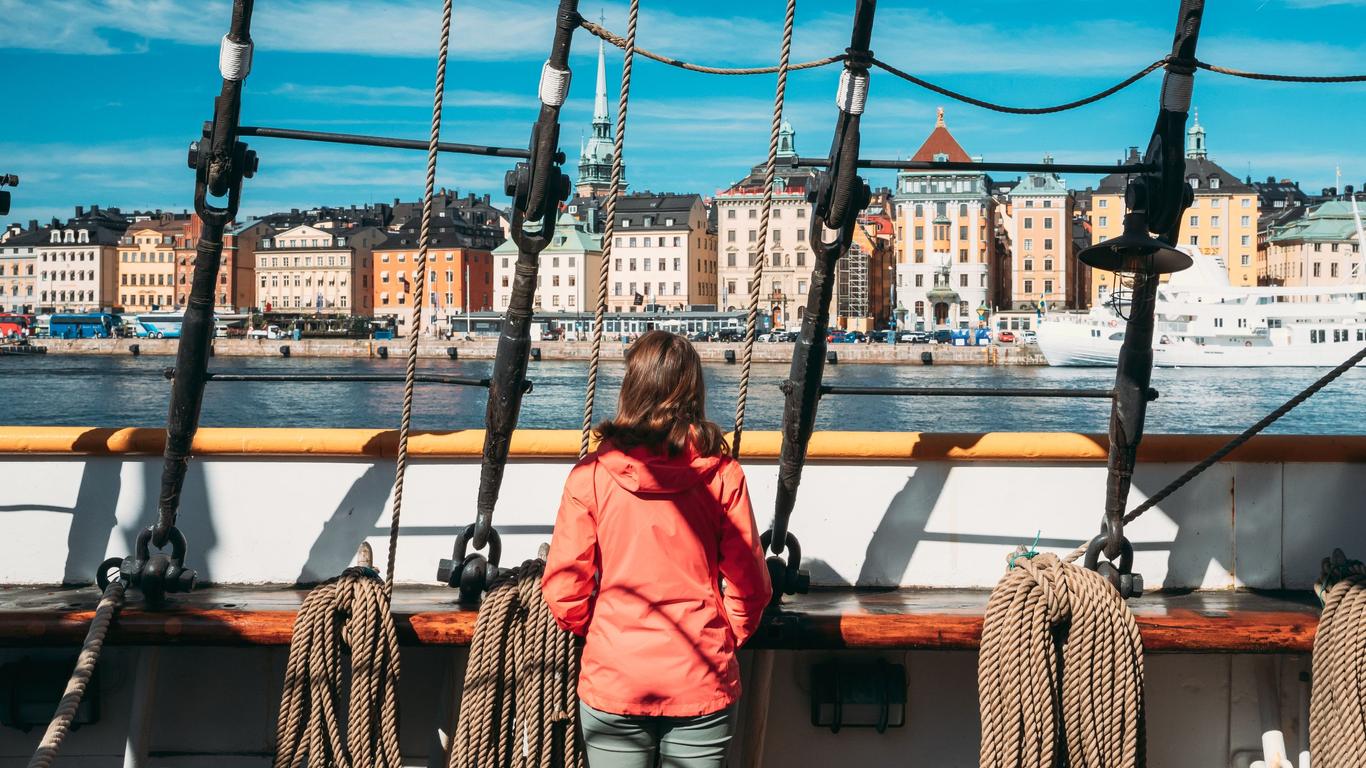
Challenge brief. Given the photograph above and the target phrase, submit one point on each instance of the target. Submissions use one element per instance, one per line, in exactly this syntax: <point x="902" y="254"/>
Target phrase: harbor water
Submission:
<point x="110" y="391"/>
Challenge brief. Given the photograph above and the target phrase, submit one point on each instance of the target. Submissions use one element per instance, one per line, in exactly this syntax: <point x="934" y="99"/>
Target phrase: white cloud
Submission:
<point x="399" y="96"/>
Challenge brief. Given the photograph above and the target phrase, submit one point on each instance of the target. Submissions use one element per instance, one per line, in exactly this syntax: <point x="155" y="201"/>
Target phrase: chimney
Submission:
<point x="94" y="209"/>
<point x="80" y="211"/>
<point x="33" y="224"/>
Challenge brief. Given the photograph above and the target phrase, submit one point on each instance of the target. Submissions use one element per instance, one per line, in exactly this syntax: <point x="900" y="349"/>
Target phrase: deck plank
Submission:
<point x="943" y="619"/>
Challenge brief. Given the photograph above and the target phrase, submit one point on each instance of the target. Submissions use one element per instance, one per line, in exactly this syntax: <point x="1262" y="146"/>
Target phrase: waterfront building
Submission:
<point x="663" y="254"/>
<point x="18" y="267"/>
<point x="1042" y="265"/>
<point x="947" y="237"/>
<point x="1222" y="221"/>
<point x="459" y="270"/>
<point x="787" y="273"/>
<point x="1322" y="247"/>
<point x="317" y="267"/>
<point x="865" y="279"/>
<point x="78" y="262"/>
<point x="568" y="278"/>
<point x="595" y="157"/>
<point x="234" y="288"/>
<point x="147" y="264"/>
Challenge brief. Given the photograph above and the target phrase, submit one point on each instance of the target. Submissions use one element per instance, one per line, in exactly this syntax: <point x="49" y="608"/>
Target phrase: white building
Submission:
<point x="78" y="264"/>
<point x="663" y="254"/>
<point x="567" y="280"/>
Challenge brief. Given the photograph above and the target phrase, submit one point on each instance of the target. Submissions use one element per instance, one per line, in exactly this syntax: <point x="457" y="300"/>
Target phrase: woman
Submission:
<point x="647" y="526"/>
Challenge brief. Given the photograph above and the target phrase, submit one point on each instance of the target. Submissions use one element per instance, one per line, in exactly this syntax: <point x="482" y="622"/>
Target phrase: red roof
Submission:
<point x="941" y="142"/>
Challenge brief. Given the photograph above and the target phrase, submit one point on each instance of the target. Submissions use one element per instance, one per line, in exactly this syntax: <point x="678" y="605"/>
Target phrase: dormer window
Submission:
<point x="1194" y="181"/>
<point x="56" y="237"/>
<point x="85" y="236"/>
<point x="341" y="241"/>
<point x="68" y="236"/>
<point x="625" y="223"/>
<point x="1214" y="182"/>
<point x="941" y="157"/>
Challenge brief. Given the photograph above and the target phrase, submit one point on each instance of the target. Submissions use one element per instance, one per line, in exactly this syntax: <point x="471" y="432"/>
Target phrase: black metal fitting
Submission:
<point x="786" y="575"/>
<point x="471" y="572"/>
<point x="155" y="574"/>
<point x="1117" y="569"/>
<point x="7" y="179"/>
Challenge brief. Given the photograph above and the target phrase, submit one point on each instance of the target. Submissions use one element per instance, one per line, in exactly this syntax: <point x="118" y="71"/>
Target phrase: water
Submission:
<point x="124" y="391"/>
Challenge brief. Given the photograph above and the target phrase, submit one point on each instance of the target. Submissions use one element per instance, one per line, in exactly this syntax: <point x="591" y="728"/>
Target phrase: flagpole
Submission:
<point x="467" y="295"/>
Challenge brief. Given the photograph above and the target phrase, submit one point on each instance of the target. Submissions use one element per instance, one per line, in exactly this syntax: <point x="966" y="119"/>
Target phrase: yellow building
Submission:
<point x="146" y="261"/>
<point x="1222" y="221"/>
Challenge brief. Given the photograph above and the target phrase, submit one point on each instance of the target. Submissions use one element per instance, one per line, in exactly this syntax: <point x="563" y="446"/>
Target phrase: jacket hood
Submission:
<point x="641" y="471"/>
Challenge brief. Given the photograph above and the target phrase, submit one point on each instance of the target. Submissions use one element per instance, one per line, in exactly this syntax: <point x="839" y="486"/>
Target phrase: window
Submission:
<point x="1246" y="202"/>
<point x="1029" y="286"/>
<point x="1102" y="203"/>
<point x="1028" y="223"/>
<point x="1214" y="221"/>
<point x="801" y="287"/>
<point x="1104" y="221"/>
<point x="1244" y="240"/>
<point x="1213" y="239"/>
<point x="730" y="259"/>
<point x="754" y="213"/>
<point x="1047" y="286"/>
<point x="801" y="235"/>
<point x="1247" y="260"/>
<point x="1195" y="221"/>
<point x="962" y="233"/>
<point x="1029" y="265"/>
<point x="919" y="281"/>
<point x="1195" y="239"/>
<point x="919" y="233"/>
<point x="1048" y="265"/>
<point x="753" y="236"/>
<point x="1317" y="268"/>
<point x="801" y="258"/>
<point x="730" y="213"/>
<point x="963" y="280"/>
<point x="1214" y="182"/>
<point x="1333" y="269"/>
<point x="919" y="255"/>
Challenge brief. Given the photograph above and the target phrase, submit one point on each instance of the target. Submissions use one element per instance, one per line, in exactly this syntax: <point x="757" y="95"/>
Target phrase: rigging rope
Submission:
<point x="520" y="704"/>
<point x="1337" y="717"/>
<point x="1281" y="78"/>
<point x="609" y="228"/>
<point x="110" y="603"/>
<point x="1060" y="665"/>
<point x="765" y="213"/>
<point x="351" y="610"/>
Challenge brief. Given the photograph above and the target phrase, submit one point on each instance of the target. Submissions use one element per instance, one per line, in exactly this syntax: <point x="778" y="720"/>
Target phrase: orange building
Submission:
<point x="459" y="278"/>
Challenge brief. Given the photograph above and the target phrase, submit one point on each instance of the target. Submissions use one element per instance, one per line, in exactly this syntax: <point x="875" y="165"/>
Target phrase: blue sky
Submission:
<point x="104" y="95"/>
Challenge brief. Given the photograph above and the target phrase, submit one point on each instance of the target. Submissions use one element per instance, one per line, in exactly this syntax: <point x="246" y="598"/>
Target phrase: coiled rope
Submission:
<point x="350" y="611"/>
<point x="1060" y="666"/>
<point x="765" y="213"/>
<point x="628" y="44"/>
<point x="1337" y="710"/>
<point x="110" y="603"/>
<point x="520" y="706"/>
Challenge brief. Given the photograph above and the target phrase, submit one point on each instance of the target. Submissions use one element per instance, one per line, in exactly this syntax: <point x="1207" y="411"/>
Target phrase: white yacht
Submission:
<point x="1203" y="321"/>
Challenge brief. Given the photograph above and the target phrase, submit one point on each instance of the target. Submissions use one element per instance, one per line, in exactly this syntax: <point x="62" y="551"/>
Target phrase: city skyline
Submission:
<point x="367" y="68"/>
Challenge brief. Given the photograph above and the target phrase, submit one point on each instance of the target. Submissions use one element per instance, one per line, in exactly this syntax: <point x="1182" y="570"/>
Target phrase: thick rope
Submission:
<point x="420" y="285"/>
<point x="1060" y="671"/>
<point x="620" y="42"/>
<point x="1281" y="78"/>
<point x="520" y="706"/>
<point x="110" y="603"/>
<point x="765" y="212"/>
<point x="609" y="229"/>
<point x="348" y="613"/>
<point x="1337" y="711"/>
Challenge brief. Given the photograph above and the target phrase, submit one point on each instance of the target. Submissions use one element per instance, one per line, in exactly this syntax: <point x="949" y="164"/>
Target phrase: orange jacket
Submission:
<point x="639" y="543"/>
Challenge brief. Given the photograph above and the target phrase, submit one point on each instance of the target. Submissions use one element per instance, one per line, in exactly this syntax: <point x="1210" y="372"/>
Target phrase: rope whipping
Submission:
<point x="1337" y="709"/>
<point x="420" y="285"/>
<point x="110" y="603"/>
<point x="620" y="42"/>
<point x="1060" y="668"/>
<point x="610" y="212"/>
<point x="351" y="610"/>
<point x="765" y="213"/>
<point x="520" y="705"/>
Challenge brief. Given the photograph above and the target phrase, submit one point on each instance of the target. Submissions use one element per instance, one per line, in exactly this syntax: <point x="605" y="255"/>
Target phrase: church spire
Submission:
<point x="595" y="159"/>
<point x="1195" y="139"/>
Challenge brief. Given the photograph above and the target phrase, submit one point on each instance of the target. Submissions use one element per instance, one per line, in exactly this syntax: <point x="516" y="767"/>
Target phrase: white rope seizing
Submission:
<point x="554" y="85"/>
<point x="853" y="92"/>
<point x="234" y="59"/>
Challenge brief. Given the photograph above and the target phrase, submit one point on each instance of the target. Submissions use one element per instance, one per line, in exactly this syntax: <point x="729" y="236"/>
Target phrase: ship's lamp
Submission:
<point x="1135" y="251"/>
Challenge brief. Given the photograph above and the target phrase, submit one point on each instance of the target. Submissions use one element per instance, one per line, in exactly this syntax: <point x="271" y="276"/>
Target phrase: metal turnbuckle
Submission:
<point x="786" y="575"/>
<point x="471" y="572"/>
<point x="1120" y="572"/>
<point x="155" y="574"/>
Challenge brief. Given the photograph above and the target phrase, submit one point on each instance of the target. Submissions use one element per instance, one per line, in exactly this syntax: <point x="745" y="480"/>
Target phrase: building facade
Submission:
<point x="865" y="278"/>
<point x="663" y="254"/>
<point x="568" y="277"/>
<point x="78" y="264"/>
<point x="234" y="288"/>
<point x="147" y="265"/>
<point x="19" y="267"/>
<point x="946" y="223"/>
<point x="1222" y="221"/>
<point x="316" y="268"/>
<point x="459" y="274"/>
<point x="1320" y="248"/>
<point x="787" y="269"/>
<point x="1042" y="261"/>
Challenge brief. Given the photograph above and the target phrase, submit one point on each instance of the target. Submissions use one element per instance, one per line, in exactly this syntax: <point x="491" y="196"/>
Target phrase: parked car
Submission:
<point x="730" y="334"/>
<point x="1006" y="337"/>
<point x="942" y="336"/>
<point x="271" y="332"/>
<point x="1029" y="337"/>
<point x="855" y="337"/>
<point x="913" y="337"/>
<point x="699" y="336"/>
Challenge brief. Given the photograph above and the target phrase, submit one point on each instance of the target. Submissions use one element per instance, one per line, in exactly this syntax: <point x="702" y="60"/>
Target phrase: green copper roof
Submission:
<point x="1326" y="222"/>
<point x="570" y="237"/>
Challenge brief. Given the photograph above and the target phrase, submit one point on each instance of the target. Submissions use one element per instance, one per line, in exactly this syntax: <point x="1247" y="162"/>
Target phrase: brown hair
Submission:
<point x="663" y="405"/>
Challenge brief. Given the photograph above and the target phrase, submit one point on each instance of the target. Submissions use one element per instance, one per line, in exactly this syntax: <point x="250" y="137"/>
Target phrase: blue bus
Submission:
<point x="92" y="325"/>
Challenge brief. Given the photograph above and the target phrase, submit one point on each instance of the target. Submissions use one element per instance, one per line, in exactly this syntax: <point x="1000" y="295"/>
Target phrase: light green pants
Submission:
<point x="630" y="741"/>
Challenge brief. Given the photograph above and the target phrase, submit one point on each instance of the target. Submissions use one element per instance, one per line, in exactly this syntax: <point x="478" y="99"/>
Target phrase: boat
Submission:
<point x="883" y="612"/>
<point x="1203" y="321"/>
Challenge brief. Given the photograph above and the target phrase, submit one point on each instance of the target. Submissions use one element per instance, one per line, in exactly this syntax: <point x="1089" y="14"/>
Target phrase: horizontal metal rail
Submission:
<point x="958" y="165"/>
<point x="380" y="141"/>
<point x="973" y="392"/>
<point x="421" y="378"/>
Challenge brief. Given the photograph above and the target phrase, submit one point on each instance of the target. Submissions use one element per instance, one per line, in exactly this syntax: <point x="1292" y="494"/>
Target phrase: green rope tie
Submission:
<point x="1028" y="553"/>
